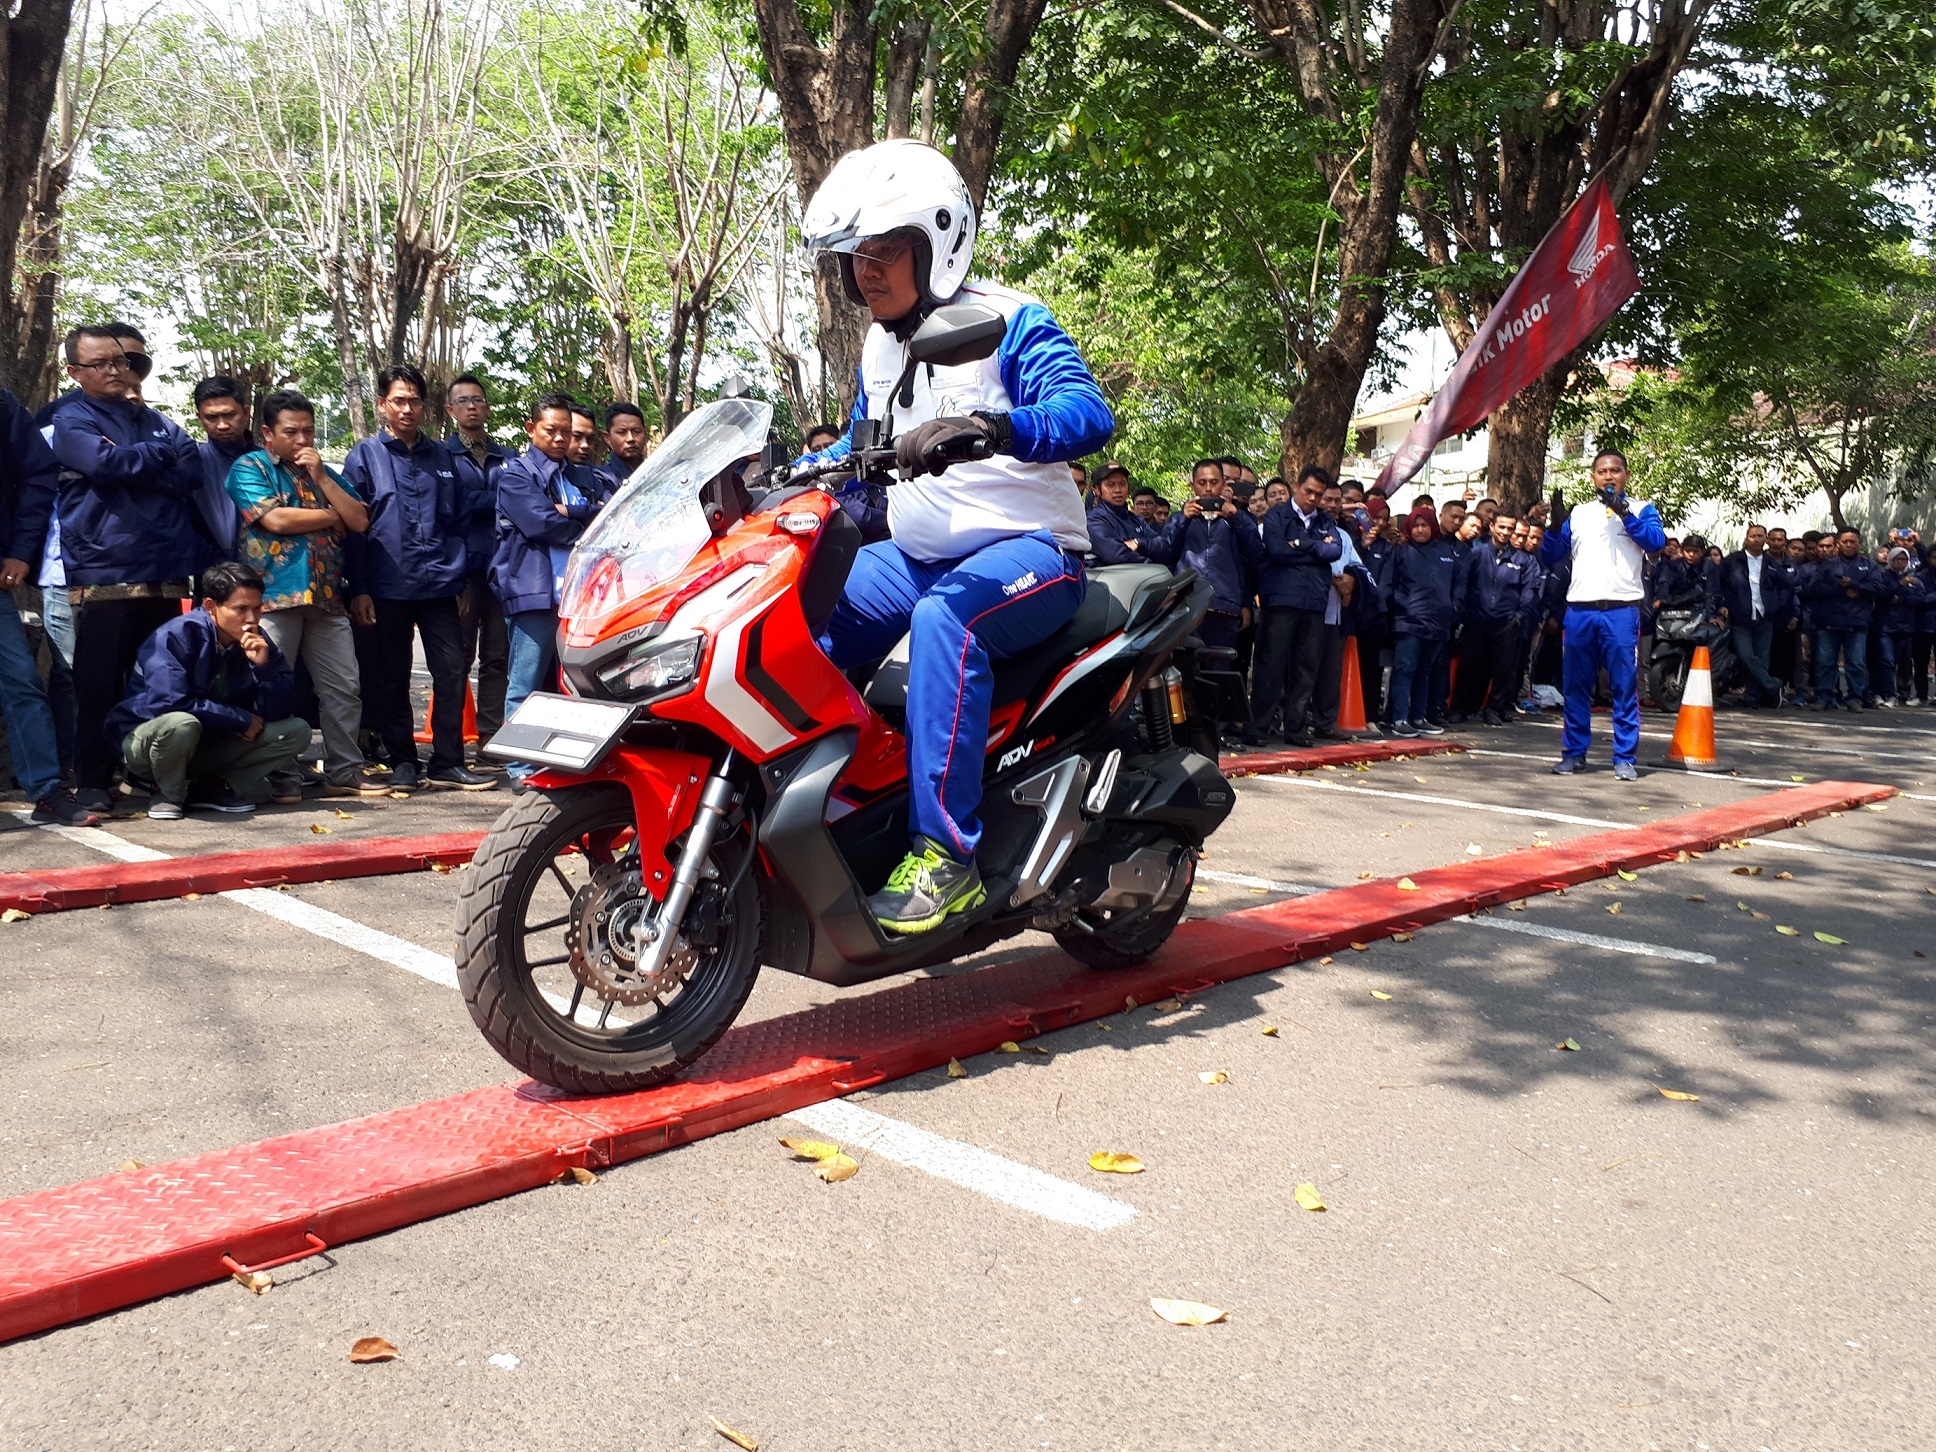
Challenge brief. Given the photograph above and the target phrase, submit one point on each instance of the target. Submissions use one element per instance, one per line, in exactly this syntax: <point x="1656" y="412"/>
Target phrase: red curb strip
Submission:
<point x="83" y="1249"/>
<point x="61" y="889"/>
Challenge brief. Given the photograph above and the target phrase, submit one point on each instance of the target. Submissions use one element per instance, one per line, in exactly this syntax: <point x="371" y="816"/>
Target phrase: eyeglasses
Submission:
<point x="138" y="364"/>
<point x="883" y="252"/>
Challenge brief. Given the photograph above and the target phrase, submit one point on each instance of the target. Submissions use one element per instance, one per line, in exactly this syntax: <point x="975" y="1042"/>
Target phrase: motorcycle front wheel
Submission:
<point x="547" y="949"/>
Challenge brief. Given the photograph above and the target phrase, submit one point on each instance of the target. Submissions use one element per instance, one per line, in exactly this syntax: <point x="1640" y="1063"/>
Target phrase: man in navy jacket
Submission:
<point x="129" y="539"/>
<point x="226" y="437"/>
<point x="1120" y="536"/>
<point x="209" y="716"/>
<point x="625" y="437"/>
<point x="1502" y="595"/>
<point x="480" y="459"/>
<point x="544" y="503"/>
<point x="1300" y="543"/>
<point x="1843" y="588"/>
<point x="406" y="578"/>
<point x="27" y="475"/>
<point x="1221" y="543"/>
<point x="1756" y="601"/>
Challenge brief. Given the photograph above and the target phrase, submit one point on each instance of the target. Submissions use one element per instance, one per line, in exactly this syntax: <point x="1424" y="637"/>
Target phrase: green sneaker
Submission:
<point x="924" y="889"/>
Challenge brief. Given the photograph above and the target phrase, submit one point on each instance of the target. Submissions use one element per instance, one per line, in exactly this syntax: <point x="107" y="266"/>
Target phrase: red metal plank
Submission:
<point x="57" y="889"/>
<point x="79" y="1250"/>
<point x="63" y="888"/>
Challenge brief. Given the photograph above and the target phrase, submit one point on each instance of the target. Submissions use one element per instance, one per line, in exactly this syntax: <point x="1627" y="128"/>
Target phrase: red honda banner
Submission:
<point x="1576" y="279"/>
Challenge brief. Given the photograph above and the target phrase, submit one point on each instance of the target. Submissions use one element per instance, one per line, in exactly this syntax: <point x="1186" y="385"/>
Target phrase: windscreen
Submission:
<point x="653" y="526"/>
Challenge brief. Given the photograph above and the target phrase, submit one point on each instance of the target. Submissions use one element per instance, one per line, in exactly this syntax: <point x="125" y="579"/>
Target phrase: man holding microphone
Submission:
<point x="1606" y="540"/>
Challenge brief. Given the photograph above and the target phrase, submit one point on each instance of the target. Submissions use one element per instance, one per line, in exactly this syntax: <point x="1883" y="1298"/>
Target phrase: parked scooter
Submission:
<point x="717" y="795"/>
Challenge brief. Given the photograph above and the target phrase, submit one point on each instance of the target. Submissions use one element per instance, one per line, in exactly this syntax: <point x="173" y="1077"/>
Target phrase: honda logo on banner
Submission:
<point x="1576" y="279"/>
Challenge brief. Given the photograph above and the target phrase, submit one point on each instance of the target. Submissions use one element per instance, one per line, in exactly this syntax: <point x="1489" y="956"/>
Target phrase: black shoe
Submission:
<point x="218" y="796"/>
<point x="94" y="799"/>
<point x="1430" y="728"/>
<point x="1569" y="766"/>
<point x="406" y="776"/>
<point x="1334" y="736"/>
<point x="462" y="778"/>
<point x="1302" y="740"/>
<point x="1490" y="718"/>
<point x="286" y="788"/>
<point x="60" y="808"/>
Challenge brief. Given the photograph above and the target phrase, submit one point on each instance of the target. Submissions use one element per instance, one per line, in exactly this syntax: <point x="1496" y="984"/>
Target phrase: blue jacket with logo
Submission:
<point x="1425" y="586"/>
<point x="477" y="484"/>
<point x="1226" y="552"/>
<point x="29" y="474"/>
<point x="414" y="548"/>
<point x="1830" y="605"/>
<point x="1113" y="526"/>
<point x="529" y="526"/>
<point x="128" y="505"/>
<point x="1297" y="558"/>
<point x="1502" y="585"/>
<point x="184" y="666"/>
<point x="1904" y="608"/>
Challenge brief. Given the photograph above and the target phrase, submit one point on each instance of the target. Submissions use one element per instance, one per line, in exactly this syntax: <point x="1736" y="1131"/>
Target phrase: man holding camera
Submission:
<point x="1606" y="541"/>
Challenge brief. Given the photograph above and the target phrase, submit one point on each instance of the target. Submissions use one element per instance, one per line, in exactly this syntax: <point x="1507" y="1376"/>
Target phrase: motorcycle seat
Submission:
<point x="1118" y="597"/>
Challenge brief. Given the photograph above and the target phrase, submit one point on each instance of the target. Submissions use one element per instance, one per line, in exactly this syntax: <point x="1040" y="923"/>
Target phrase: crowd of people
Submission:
<point x="1457" y="609"/>
<point x="208" y="605"/>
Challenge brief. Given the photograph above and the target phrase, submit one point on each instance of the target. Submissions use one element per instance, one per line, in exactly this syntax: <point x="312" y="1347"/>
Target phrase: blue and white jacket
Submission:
<point x="1055" y="411"/>
<point x="1606" y="550"/>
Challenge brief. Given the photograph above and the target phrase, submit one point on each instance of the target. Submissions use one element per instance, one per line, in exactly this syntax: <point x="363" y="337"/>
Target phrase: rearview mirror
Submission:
<point x="961" y="333"/>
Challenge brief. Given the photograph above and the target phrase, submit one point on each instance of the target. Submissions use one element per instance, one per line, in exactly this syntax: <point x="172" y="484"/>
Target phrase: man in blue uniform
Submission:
<point x="1604" y="542"/>
<point x="985" y="542"/>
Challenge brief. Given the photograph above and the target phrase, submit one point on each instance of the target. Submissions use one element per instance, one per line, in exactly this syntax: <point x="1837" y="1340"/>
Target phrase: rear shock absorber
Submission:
<point x="1156" y="713"/>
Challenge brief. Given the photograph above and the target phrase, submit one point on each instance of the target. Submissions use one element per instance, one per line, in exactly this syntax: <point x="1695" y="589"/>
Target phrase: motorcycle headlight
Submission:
<point x="652" y="667"/>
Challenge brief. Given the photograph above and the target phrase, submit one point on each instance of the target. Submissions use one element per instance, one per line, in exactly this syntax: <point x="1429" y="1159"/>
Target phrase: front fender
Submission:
<point x="664" y="786"/>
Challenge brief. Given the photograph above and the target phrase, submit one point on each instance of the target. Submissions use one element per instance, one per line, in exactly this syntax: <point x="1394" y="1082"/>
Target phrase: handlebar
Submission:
<point x="876" y="464"/>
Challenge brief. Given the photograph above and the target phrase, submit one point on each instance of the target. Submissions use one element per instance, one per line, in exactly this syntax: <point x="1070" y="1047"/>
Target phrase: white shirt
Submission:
<point x="1334" y="604"/>
<point x="972" y="505"/>
<point x="1754" y="584"/>
<point x="1606" y="561"/>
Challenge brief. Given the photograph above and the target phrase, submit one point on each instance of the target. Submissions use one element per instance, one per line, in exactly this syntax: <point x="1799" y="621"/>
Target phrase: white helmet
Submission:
<point x="896" y="186"/>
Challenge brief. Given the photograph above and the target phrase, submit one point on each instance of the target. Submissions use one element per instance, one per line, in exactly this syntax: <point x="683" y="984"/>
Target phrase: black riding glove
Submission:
<point x="931" y="447"/>
<point x="1557" y="512"/>
<point x="1614" y="500"/>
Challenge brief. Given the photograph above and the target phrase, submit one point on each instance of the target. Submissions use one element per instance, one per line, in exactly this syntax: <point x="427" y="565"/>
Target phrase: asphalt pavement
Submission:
<point x="1523" y="1246"/>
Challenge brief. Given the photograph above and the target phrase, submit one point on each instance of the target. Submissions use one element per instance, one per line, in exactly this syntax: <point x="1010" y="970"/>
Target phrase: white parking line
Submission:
<point x="1508" y="925"/>
<point x="1770" y="781"/>
<point x="1774" y="745"/>
<point x="1369" y="791"/>
<point x="1017" y="1185"/>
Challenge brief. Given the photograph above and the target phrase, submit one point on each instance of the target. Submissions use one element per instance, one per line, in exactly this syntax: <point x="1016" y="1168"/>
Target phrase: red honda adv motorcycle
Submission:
<point x="716" y="795"/>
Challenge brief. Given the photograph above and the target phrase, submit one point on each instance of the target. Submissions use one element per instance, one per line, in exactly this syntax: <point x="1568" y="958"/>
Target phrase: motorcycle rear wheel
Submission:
<point x="1128" y="941"/>
<point x="572" y="1044"/>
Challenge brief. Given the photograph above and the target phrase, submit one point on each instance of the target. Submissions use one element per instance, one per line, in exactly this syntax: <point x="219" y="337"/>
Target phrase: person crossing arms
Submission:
<point x="1605" y="542"/>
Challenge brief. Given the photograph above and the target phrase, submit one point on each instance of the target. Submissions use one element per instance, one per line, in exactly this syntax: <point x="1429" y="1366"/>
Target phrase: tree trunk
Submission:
<point x="33" y="38"/>
<point x="346" y="360"/>
<point x="1516" y="441"/>
<point x="904" y="55"/>
<point x="1009" y="26"/>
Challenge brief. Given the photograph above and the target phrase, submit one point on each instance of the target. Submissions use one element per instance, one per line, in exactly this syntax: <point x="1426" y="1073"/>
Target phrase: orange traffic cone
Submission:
<point x="1351" y="690"/>
<point x="470" y="716"/>
<point x="1693" y="744"/>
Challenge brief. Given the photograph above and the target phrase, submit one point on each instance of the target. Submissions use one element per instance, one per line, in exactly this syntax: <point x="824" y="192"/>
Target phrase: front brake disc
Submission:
<point x="610" y="916"/>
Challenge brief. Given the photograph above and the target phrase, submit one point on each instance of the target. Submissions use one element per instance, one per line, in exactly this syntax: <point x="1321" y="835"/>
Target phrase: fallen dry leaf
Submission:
<point x="1269" y="1031"/>
<point x="955" y="1071"/>
<point x="1473" y="849"/>
<point x="1360" y="947"/>
<point x="440" y="867"/>
<point x="1822" y="937"/>
<point x="1112" y="1162"/>
<point x="1676" y="1094"/>
<point x="1008" y="1046"/>
<point x="1570" y="1045"/>
<point x="1215" y="1076"/>
<point x="1798" y="778"/>
<point x="1614" y="907"/>
<point x="1744" y="907"/>
<point x="1518" y="907"/>
<point x="346" y="816"/>
<point x="1747" y="872"/>
<point x="1381" y="997"/>
<point x="400" y="796"/>
<point x="128" y="1167"/>
<point x="840" y="1167"/>
<point x="1681" y="856"/>
<point x="1759" y="917"/>
<point x="256" y="1282"/>
<point x="811" y="1149"/>
<point x="1784" y="877"/>
<point x="1787" y="932"/>
<point x="1186" y="1313"/>
<point x="578" y="1175"/>
<point x="1307" y="1197"/>
<point x="736" y="1437"/>
<point x="14" y="915"/>
<point x="1129" y="1005"/>
<point x="1323" y="961"/>
<point x="1405" y="884"/>
<point x="191" y="897"/>
<point x="1363" y="875"/>
<point x="1626" y="876"/>
<point x="320" y="830"/>
<point x="1401" y="937"/>
<point x="373" y="1348"/>
<point x="1168" y="1005"/>
<point x="1696" y="897"/>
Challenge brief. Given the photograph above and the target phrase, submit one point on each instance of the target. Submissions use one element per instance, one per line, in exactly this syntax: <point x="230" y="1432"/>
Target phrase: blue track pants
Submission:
<point x="1596" y="639"/>
<point x="961" y="613"/>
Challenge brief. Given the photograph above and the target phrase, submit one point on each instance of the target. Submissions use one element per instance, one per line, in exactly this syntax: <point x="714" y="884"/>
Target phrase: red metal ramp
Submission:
<point x="61" y="889"/>
<point x="79" y="1250"/>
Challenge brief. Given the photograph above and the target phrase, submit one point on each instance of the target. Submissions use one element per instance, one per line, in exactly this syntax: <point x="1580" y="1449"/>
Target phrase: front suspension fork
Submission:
<point x="660" y="933"/>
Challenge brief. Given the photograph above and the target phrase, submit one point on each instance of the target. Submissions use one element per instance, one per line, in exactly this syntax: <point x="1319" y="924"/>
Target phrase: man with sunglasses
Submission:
<point x="129" y="537"/>
<point x="986" y="531"/>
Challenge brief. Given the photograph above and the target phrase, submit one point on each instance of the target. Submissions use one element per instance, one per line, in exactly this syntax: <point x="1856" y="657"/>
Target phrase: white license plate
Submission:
<point x="561" y="731"/>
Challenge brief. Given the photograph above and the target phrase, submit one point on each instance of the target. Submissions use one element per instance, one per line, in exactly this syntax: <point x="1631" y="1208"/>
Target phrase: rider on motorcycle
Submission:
<point x="985" y="558"/>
